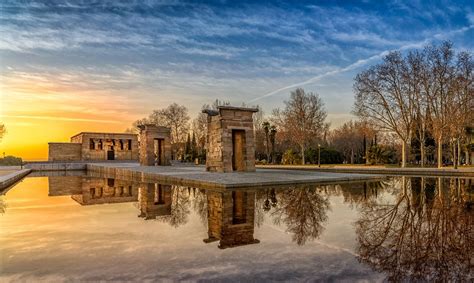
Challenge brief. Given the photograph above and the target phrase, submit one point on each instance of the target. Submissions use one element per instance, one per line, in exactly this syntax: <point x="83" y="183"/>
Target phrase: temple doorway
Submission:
<point x="159" y="151"/>
<point x="110" y="154"/>
<point x="238" y="150"/>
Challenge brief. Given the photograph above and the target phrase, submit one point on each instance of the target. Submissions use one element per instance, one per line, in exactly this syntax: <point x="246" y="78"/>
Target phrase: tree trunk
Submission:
<point x="459" y="152"/>
<point x="267" y="147"/>
<point x="440" y="152"/>
<point x="366" y="151"/>
<point x="272" y="154"/>
<point x="422" y="154"/>
<point x="352" y="156"/>
<point x="455" y="155"/>
<point x="302" y="155"/>
<point x="404" y="154"/>
<point x="466" y="154"/>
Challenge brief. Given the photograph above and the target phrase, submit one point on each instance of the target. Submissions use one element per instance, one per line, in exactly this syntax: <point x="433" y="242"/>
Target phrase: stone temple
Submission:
<point x="155" y="145"/>
<point x="230" y="139"/>
<point x="88" y="146"/>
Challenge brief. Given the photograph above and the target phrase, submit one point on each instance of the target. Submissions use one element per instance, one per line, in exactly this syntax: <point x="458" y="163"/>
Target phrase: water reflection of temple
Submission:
<point x="231" y="218"/>
<point x="154" y="200"/>
<point x="105" y="190"/>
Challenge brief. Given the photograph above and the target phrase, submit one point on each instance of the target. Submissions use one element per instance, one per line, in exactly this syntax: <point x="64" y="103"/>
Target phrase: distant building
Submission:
<point x="95" y="146"/>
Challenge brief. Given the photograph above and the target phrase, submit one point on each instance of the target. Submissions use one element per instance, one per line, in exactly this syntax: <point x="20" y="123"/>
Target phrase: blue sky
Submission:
<point x="124" y="58"/>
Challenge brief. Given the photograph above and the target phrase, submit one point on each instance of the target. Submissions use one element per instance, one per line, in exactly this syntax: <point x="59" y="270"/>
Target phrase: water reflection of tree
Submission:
<point x="362" y="194"/>
<point x="3" y="205"/>
<point x="180" y="203"/>
<point x="428" y="233"/>
<point x="200" y="204"/>
<point x="303" y="211"/>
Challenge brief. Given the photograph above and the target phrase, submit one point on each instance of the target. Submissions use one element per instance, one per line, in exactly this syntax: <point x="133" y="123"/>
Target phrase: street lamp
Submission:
<point x="319" y="155"/>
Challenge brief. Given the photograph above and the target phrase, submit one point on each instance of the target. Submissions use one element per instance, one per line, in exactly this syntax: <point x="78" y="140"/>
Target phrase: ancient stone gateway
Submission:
<point x="230" y="140"/>
<point x="155" y="145"/>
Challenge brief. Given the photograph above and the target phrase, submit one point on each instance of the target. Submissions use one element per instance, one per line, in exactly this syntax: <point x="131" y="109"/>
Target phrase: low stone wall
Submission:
<point x="448" y="172"/>
<point x="56" y="166"/>
<point x="64" y="151"/>
<point x="10" y="179"/>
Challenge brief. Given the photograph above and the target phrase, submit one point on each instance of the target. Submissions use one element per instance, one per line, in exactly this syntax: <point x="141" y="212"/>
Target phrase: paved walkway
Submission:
<point x="196" y="176"/>
<point x="11" y="178"/>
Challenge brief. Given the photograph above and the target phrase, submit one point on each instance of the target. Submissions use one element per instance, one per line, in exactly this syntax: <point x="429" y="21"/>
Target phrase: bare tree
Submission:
<point x="384" y="96"/>
<point x="451" y="93"/>
<point x="266" y="130"/>
<point x="349" y="140"/>
<point x="176" y="118"/>
<point x="416" y="81"/>
<point x="464" y="93"/>
<point x="302" y="119"/>
<point x="199" y="127"/>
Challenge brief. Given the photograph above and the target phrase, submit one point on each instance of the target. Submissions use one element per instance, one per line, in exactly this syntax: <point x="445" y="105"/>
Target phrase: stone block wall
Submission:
<point x="103" y="190"/>
<point x="221" y="218"/>
<point x="150" y="204"/>
<point x="103" y="142"/>
<point x="221" y="124"/>
<point x="61" y="151"/>
<point x="148" y="134"/>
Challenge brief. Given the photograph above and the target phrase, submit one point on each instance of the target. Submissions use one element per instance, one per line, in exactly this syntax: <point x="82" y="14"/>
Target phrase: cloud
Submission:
<point x="55" y="118"/>
<point x="363" y="62"/>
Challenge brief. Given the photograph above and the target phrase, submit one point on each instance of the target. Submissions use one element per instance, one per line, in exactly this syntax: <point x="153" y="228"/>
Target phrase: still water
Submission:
<point x="63" y="228"/>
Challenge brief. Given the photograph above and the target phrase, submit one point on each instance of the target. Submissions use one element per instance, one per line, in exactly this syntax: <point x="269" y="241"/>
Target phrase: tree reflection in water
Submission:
<point x="302" y="210"/>
<point x="200" y="204"/>
<point x="3" y="205"/>
<point x="180" y="204"/>
<point x="427" y="234"/>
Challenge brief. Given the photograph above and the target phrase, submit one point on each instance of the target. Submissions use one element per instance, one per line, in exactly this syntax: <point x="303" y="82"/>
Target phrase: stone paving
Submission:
<point x="198" y="177"/>
<point x="9" y="179"/>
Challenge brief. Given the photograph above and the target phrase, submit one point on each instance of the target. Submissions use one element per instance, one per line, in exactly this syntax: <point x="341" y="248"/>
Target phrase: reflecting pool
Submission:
<point x="63" y="228"/>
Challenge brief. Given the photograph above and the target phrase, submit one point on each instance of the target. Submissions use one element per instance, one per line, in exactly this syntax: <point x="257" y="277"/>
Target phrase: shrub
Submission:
<point x="11" y="161"/>
<point x="290" y="157"/>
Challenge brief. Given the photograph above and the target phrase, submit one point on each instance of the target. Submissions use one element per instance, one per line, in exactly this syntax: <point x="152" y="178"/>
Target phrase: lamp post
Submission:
<point x="319" y="155"/>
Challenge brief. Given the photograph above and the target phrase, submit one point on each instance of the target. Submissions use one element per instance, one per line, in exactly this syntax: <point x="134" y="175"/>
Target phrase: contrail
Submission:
<point x="362" y="62"/>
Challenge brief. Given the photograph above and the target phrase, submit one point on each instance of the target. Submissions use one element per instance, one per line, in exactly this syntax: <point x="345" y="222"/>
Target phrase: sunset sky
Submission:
<point x="72" y="66"/>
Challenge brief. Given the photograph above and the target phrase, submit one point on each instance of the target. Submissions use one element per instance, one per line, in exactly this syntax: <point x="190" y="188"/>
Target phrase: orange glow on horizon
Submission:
<point x="36" y="113"/>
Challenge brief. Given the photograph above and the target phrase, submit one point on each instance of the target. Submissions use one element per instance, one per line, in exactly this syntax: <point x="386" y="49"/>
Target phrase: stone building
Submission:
<point x="154" y="200"/>
<point x="87" y="146"/>
<point x="230" y="140"/>
<point x="104" y="190"/>
<point x="231" y="218"/>
<point x="155" y="145"/>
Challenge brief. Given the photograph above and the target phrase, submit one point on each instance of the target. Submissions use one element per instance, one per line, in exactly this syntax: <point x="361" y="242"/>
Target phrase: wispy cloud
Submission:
<point x="143" y="54"/>
<point x="363" y="62"/>
<point x="54" y="118"/>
